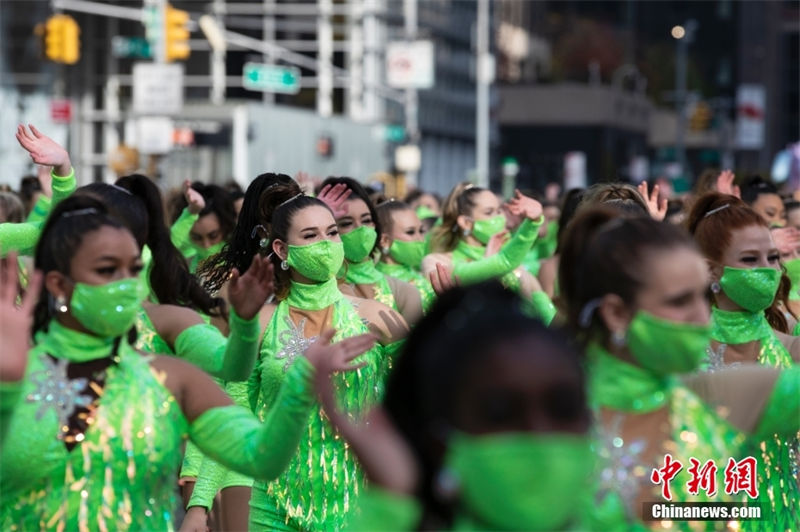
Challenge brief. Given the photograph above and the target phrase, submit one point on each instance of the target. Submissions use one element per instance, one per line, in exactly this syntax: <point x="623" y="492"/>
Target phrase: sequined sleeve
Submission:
<point x="234" y="437"/>
<point x="22" y="237"/>
<point x="9" y="395"/>
<point x="40" y="210"/>
<point x="229" y="359"/>
<point x="505" y="260"/>
<point x="179" y="232"/>
<point x="782" y="413"/>
<point x="378" y="510"/>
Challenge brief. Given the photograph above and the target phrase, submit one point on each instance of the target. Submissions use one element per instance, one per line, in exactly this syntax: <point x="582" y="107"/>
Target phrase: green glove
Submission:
<point x="782" y="414"/>
<point x="234" y="437"/>
<point x="230" y="359"/>
<point x="539" y="306"/>
<point x="40" y="210"/>
<point x="9" y="396"/>
<point x="505" y="260"/>
<point x="378" y="510"/>
<point x="179" y="233"/>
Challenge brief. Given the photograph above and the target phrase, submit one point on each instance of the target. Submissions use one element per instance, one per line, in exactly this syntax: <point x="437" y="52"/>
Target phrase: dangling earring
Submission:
<point x="715" y="287"/>
<point x="385" y="251"/>
<point x="263" y="243"/>
<point x="61" y="304"/>
<point x="284" y="265"/>
<point x="618" y="338"/>
<point x="466" y="232"/>
<point x="447" y="485"/>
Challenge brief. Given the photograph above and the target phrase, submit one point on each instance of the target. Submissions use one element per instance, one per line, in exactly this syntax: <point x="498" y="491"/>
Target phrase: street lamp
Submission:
<point x="683" y="35"/>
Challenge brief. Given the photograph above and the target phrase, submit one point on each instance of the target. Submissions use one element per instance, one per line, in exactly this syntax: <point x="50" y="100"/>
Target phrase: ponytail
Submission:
<point x="459" y="202"/>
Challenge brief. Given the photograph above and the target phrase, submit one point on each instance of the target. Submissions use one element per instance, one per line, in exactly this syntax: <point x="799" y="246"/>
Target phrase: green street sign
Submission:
<point x="137" y="47"/>
<point x="271" y="78"/>
<point x="395" y="133"/>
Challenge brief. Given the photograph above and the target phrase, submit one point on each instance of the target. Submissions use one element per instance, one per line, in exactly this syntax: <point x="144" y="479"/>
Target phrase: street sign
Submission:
<point x="271" y="78"/>
<point x="137" y="47"/>
<point x="157" y="88"/>
<point x="61" y="111"/>
<point x="395" y="133"/>
<point x="410" y="65"/>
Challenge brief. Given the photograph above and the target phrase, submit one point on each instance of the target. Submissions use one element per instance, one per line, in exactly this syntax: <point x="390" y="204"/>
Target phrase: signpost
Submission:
<point x="271" y="78"/>
<point x="157" y="89"/>
<point x="137" y="47"/>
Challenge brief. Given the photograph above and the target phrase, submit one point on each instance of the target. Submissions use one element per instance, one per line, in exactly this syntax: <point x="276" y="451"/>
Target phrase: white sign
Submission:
<point x="154" y="134"/>
<point x="157" y="88"/>
<point x="750" y="109"/>
<point x="574" y="170"/>
<point x="409" y="65"/>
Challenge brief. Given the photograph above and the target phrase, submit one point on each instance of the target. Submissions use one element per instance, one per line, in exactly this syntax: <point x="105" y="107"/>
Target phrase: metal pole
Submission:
<point x="411" y="101"/>
<point x="325" y="58"/>
<point x="217" y="62"/>
<point x="355" y="58"/>
<point x="482" y="76"/>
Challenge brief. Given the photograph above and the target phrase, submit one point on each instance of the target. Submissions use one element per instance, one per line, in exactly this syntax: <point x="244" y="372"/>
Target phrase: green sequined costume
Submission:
<point x="697" y="431"/>
<point x="778" y="475"/>
<point x="409" y="275"/>
<point x="22" y="237"/>
<point x="365" y="273"/>
<point x="315" y="491"/>
<point x="120" y="474"/>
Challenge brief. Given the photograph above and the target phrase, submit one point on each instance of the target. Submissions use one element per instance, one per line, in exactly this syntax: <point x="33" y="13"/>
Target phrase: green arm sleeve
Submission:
<point x="23" y="237"/>
<point x="782" y="414"/>
<point x="230" y="359"/>
<point x="539" y="306"/>
<point x="234" y="437"/>
<point x="179" y="232"/>
<point x="212" y="474"/>
<point x="9" y="395"/>
<point x="40" y="210"/>
<point x="505" y="260"/>
<point x="62" y="186"/>
<point x="378" y="510"/>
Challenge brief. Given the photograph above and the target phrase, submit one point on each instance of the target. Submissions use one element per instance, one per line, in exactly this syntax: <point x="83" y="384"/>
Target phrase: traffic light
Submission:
<point x="62" y="39"/>
<point x="701" y="117"/>
<point x="176" y="33"/>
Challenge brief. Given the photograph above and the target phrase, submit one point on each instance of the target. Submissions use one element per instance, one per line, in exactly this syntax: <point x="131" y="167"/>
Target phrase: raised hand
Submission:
<point x="328" y="358"/>
<point x="725" y="184"/>
<point x="442" y="279"/>
<point x="657" y="208"/>
<point x="44" y="150"/>
<point x="787" y="239"/>
<point x="194" y="199"/>
<point x="524" y="206"/>
<point x="335" y="197"/>
<point x="495" y="242"/>
<point x="195" y="520"/>
<point x="247" y="293"/>
<point x="15" y="322"/>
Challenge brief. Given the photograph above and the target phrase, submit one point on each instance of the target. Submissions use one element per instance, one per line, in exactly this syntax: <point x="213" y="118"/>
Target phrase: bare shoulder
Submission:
<point x="384" y="321"/>
<point x="265" y="314"/>
<point x="169" y="317"/>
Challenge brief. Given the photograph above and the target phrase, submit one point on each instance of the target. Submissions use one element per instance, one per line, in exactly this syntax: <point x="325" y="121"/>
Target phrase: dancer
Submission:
<point x="635" y="293"/>
<point x="359" y="228"/>
<point x="402" y="245"/>
<point x="749" y="326"/>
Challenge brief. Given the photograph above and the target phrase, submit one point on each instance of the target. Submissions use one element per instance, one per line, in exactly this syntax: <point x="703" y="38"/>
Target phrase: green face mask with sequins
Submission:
<point x="520" y="481"/>
<point x="408" y="253"/>
<point x="486" y="229"/>
<point x="752" y="289"/>
<point x="667" y="347"/>
<point x="108" y="310"/>
<point x="359" y="242"/>
<point x="318" y="261"/>
<point x="204" y="253"/>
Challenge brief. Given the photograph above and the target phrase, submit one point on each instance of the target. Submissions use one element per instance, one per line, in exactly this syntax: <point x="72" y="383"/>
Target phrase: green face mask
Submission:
<point x="408" y="253"/>
<point x="752" y="289"/>
<point x="793" y="271"/>
<point x="520" y="481"/>
<point x="424" y="212"/>
<point x="108" y="310"/>
<point x="666" y="347"/>
<point x="485" y="229"/>
<point x="318" y="261"/>
<point x="358" y="243"/>
<point x="204" y="253"/>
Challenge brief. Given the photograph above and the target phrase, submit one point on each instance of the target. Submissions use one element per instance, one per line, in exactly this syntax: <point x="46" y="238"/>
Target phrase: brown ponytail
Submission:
<point x="459" y="202"/>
